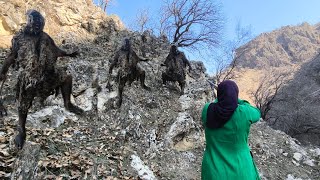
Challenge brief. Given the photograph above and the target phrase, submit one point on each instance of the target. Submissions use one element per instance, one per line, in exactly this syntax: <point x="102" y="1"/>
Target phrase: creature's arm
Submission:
<point x="186" y="62"/>
<point x="6" y="65"/>
<point x="166" y="61"/>
<point x="62" y="53"/>
<point x="73" y="54"/>
<point x="137" y="57"/>
<point x="114" y="62"/>
<point x="59" y="52"/>
<point x="9" y="60"/>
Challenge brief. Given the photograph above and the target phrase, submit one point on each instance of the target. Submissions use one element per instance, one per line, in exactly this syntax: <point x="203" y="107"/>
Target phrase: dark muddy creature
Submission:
<point x="176" y="64"/>
<point x="129" y="70"/>
<point x="3" y="109"/>
<point x="34" y="54"/>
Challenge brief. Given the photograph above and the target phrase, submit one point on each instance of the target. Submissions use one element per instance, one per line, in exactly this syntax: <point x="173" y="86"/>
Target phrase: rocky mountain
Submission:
<point x="293" y="50"/>
<point x="155" y="134"/>
<point x="286" y="46"/>
<point x="282" y="50"/>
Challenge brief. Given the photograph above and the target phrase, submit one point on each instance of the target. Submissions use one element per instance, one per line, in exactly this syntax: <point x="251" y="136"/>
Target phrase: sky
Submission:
<point x="261" y="15"/>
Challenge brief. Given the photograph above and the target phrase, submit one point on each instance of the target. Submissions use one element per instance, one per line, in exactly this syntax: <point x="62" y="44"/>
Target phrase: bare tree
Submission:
<point x="231" y="53"/>
<point x="143" y="20"/>
<point x="267" y="91"/>
<point x="103" y="4"/>
<point x="190" y="23"/>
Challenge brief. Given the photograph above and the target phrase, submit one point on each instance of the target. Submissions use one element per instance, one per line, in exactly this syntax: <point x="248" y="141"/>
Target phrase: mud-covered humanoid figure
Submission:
<point x="176" y="64"/>
<point x="34" y="54"/>
<point x="129" y="69"/>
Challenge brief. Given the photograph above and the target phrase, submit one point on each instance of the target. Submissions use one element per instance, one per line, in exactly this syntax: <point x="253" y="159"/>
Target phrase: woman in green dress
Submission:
<point x="227" y="123"/>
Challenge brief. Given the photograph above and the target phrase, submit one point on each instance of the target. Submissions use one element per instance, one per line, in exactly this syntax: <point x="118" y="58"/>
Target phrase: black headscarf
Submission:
<point x="219" y="113"/>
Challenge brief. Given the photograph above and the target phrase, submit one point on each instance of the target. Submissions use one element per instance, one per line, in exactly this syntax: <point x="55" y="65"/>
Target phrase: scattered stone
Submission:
<point x="297" y="156"/>
<point x="143" y="171"/>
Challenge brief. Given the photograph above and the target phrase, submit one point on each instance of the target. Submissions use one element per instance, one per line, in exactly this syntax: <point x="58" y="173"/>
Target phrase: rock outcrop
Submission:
<point x="63" y="18"/>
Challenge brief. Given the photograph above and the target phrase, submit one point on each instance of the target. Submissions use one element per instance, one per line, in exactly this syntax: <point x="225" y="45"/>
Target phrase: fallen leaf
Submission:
<point x="75" y="174"/>
<point x="76" y="162"/>
<point x="50" y="177"/>
<point x="5" y="153"/>
<point x="3" y="139"/>
<point x="9" y="160"/>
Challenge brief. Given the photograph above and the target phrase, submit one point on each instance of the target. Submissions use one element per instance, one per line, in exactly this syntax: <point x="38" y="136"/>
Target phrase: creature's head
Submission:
<point x="174" y="49"/>
<point x="35" y="22"/>
<point x="126" y="45"/>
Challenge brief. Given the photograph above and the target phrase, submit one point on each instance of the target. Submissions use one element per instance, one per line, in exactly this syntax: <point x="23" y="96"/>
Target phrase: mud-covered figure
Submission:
<point x="34" y="54"/>
<point x="176" y="64"/>
<point x="129" y="69"/>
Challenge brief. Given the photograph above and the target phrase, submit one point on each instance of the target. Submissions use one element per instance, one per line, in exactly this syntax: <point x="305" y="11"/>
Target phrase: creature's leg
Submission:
<point x="46" y="93"/>
<point x="25" y="102"/>
<point x="131" y="78"/>
<point x="3" y="109"/>
<point x="164" y="78"/>
<point x="66" y="90"/>
<point x="182" y="84"/>
<point x="142" y="76"/>
<point x="120" y="89"/>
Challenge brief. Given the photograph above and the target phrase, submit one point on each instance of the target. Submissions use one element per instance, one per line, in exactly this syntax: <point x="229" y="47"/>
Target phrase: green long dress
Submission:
<point x="227" y="155"/>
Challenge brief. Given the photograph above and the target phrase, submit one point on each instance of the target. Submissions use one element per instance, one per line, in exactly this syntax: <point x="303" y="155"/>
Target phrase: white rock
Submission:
<point x="317" y="151"/>
<point x="143" y="171"/>
<point x="280" y="151"/>
<point x="103" y="97"/>
<point x="84" y="101"/>
<point x="291" y="177"/>
<point x="183" y="124"/>
<point x="295" y="163"/>
<point x="309" y="162"/>
<point x="297" y="156"/>
<point x="56" y="114"/>
<point x="185" y="102"/>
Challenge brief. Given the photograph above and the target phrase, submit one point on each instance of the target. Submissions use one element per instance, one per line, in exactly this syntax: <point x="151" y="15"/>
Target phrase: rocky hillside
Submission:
<point x="155" y="134"/>
<point x="63" y="18"/>
<point x="296" y="109"/>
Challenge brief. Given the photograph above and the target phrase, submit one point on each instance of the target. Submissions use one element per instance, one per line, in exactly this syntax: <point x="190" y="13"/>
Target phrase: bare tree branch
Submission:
<point x="267" y="91"/>
<point x="189" y="23"/>
<point x="103" y="4"/>
<point x="231" y="53"/>
<point x="143" y="20"/>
